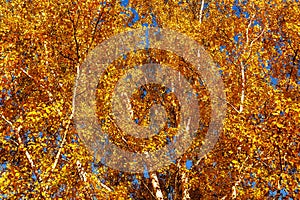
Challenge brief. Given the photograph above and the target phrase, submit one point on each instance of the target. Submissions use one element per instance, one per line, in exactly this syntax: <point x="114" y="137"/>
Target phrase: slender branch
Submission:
<point x="176" y="183"/>
<point x="74" y="35"/>
<point x="62" y="143"/>
<point x="7" y="121"/>
<point x="251" y="44"/>
<point x="230" y="104"/>
<point x="234" y="193"/>
<point x="63" y="55"/>
<point x="262" y="32"/>
<point x="82" y="173"/>
<point x="69" y="120"/>
<point x="149" y="190"/>
<point x="20" y="143"/>
<point x="227" y="37"/>
<point x="247" y="30"/>
<point x="248" y="39"/>
<point x="280" y="160"/>
<point x="243" y="87"/>
<point x="183" y="172"/>
<point x="201" y="11"/>
<point x="106" y="187"/>
<point x="233" y="107"/>
<point x="84" y="176"/>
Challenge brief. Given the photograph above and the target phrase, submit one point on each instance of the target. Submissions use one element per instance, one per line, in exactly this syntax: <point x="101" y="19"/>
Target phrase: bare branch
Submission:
<point x="243" y="86"/>
<point x="149" y="190"/>
<point x="62" y="143"/>
<point x="262" y="32"/>
<point x="9" y="122"/>
<point x="233" y="107"/>
<point x="106" y="187"/>
<point x="201" y="11"/>
<point x="84" y="176"/>
<point x="74" y="35"/>
<point x="63" y="55"/>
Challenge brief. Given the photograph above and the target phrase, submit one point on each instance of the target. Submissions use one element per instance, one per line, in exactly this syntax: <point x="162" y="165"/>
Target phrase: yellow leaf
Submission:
<point x="235" y="162"/>
<point x="279" y="125"/>
<point x="47" y="110"/>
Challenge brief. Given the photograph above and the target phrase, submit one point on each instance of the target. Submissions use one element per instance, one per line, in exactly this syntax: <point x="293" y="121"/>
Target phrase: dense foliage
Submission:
<point x="255" y="44"/>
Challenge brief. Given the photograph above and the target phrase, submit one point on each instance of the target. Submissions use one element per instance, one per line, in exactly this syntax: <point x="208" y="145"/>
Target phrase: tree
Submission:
<point x="255" y="46"/>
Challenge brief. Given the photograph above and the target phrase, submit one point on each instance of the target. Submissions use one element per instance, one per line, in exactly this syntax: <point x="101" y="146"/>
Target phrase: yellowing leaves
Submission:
<point x="5" y="181"/>
<point x="293" y="26"/>
<point x="34" y="116"/>
<point x="268" y="123"/>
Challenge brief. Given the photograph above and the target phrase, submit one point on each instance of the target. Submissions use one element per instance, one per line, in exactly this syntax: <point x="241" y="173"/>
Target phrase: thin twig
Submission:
<point x="100" y="15"/>
<point x="48" y="92"/>
<point x="233" y="107"/>
<point x="63" y="55"/>
<point x="230" y="104"/>
<point x="149" y="190"/>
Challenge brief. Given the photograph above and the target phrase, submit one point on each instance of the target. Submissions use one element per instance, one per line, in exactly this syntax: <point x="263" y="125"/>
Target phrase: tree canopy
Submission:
<point x="255" y="45"/>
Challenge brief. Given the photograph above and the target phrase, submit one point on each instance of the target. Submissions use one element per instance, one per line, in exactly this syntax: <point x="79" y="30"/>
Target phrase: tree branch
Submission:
<point x="201" y="11"/>
<point x="20" y="143"/>
<point x="185" y="179"/>
<point x="234" y="193"/>
<point x="74" y="35"/>
<point x="70" y="118"/>
<point x="95" y="28"/>
<point x="262" y="32"/>
<point x="156" y="186"/>
<point x="247" y="30"/>
<point x="149" y="190"/>
<point x="65" y="56"/>
<point x="243" y="87"/>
